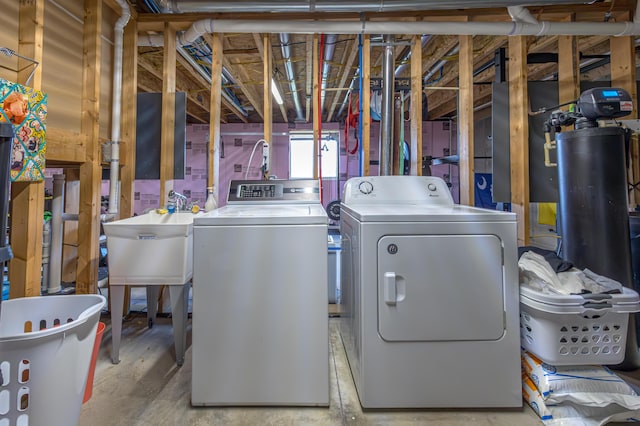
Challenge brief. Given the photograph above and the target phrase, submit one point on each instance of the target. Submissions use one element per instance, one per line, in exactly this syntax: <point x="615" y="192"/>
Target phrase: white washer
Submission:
<point x="430" y="296"/>
<point x="260" y="312"/>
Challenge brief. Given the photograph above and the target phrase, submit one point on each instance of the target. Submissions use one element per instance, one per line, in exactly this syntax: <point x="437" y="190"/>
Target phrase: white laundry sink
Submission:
<point x="150" y="249"/>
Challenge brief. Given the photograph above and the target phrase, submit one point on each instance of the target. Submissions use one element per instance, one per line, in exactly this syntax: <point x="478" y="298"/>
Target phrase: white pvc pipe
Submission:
<point x="116" y="110"/>
<point x="521" y="14"/>
<point x="401" y="27"/>
<point x="55" y="249"/>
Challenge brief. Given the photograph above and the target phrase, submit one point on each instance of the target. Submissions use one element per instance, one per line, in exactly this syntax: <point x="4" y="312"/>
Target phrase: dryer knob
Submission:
<point x="365" y="187"/>
<point x="431" y="187"/>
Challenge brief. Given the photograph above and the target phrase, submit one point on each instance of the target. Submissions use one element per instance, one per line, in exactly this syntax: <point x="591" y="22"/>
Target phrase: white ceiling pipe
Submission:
<point x="521" y="14"/>
<point x="116" y="105"/>
<point x="222" y="6"/>
<point x="400" y="27"/>
<point x="418" y="27"/>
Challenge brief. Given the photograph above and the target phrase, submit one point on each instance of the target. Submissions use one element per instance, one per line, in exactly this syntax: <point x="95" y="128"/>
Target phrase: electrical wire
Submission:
<point x="253" y="151"/>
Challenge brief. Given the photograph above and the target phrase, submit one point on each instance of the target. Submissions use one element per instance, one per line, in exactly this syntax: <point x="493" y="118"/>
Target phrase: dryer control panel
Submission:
<point x="422" y="190"/>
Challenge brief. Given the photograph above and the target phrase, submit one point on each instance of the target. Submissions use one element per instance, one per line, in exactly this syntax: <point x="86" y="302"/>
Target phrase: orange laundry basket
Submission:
<point x="88" y="390"/>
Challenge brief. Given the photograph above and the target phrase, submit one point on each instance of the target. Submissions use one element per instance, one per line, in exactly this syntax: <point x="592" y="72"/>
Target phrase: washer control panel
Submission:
<point x="274" y="191"/>
<point x="424" y="190"/>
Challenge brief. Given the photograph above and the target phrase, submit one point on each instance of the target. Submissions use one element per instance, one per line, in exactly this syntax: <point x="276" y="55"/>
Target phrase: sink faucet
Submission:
<point x="179" y="199"/>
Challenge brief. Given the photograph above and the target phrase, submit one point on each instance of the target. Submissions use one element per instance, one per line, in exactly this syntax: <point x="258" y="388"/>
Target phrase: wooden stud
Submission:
<point x="623" y="75"/>
<point x="365" y="99"/>
<point x="316" y="97"/>
<point x="568" y="68"/>
<point x="465" y="121"/>
<point x="519" y="135"/>
<point x="167" y="134"/>
<point x="416" y="106"/>
<point x="90" y="170"/>
<point x="268" y="103"/>
<point x="213" y="174"/>
<point x="27" y="198"/>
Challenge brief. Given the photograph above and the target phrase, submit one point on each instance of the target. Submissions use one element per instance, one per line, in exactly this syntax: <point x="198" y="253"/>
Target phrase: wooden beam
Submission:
<point x="519" y="135"/>
<point x="27" y="198"/>
<point x="347" y="72"/>
<point x="623" y="75"/>
<point x="65" y="146"/>
<point x="213" y="172"/>
<point x="129" y="118"/>
<point x="243" y="75"/>
<point x="568" y="68"/>
<point x="151" y="21"/>
<point x="365" y="100"/>
<point x="90" y="170"/>
<point x="465" y="121"/>
<point x="167" y="131"/>
<point x="196" y="75"/>
<point x="443" y="45"/>
<point x="267" y="72"/>
<point x="416" y="106"/>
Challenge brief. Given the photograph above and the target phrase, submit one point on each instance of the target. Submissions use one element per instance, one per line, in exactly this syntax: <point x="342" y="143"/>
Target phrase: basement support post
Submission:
<point x="519" y="135"/>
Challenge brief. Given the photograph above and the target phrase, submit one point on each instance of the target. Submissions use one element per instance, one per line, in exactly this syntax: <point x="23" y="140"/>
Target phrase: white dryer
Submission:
<point x="429" y="295"/>
<point x="260" y="312"/>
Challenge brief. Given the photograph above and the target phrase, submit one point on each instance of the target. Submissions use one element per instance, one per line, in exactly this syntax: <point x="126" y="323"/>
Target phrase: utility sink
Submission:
<point x="150" y="249"/>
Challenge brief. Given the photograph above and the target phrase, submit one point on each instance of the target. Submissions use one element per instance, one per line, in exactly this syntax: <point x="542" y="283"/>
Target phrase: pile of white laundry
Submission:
<point x="537" y="273"/>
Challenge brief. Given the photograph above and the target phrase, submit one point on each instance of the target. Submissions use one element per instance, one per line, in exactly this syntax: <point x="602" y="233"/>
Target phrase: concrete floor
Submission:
<point x="147" y="388"/>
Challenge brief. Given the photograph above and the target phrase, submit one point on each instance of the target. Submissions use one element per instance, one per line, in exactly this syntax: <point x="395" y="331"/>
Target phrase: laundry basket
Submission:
<point x="45" y="351"/>
<point x="576" y="329"/>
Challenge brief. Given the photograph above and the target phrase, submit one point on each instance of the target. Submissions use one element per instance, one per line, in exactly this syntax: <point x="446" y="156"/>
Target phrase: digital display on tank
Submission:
<point x="610" y="93"/>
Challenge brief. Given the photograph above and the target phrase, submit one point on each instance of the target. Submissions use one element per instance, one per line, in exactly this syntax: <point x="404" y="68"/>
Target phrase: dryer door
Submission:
<point x="440" y="288"/>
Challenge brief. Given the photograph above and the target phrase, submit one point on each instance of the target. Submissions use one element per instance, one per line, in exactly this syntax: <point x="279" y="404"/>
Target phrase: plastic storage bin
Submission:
<point x="43" y="372"/>
<point x="576" y="329"/>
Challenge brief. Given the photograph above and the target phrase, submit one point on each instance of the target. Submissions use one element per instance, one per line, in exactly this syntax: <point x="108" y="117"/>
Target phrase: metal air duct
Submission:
<point x="291" y="77"/>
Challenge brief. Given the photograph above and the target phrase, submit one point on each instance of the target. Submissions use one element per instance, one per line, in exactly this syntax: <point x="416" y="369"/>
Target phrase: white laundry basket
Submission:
<point x="45" y="351"/>
<point x="576" y="329"/>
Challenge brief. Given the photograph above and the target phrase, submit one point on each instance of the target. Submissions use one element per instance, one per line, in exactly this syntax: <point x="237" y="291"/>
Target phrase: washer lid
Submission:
<point x="265" y="214"/>
<point x="423" y="213"/>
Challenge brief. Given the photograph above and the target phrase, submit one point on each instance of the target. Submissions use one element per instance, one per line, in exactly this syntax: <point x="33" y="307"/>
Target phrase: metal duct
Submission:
<point x="329" y="48"/>
<point x="207" y="77"/>
<point x="425" y="39"/>
<point x="386" y="120"/>
<point x="288" y="66"/>
<point x="441" y="63"/>
<point x="218" y="6"/>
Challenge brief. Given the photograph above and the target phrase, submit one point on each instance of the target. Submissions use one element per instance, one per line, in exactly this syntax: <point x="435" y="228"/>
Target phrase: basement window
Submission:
<point x="301" y="156"/>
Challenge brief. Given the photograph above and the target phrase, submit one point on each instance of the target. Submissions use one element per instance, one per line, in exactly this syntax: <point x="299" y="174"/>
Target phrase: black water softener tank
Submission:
<point x="592" y="185"/>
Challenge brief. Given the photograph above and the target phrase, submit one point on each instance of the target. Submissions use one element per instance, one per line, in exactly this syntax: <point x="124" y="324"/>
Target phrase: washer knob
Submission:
<point x="365" y="187"/>
<point x="432" y="187"/>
